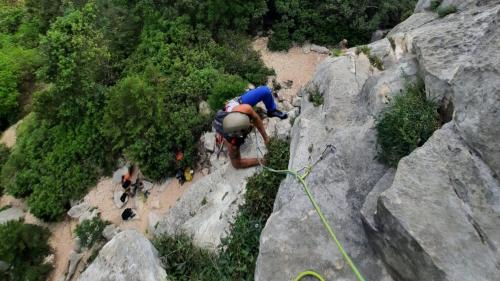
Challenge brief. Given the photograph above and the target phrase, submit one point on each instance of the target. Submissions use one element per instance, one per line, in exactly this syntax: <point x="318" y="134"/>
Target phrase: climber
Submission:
<point x="235" y="121"/>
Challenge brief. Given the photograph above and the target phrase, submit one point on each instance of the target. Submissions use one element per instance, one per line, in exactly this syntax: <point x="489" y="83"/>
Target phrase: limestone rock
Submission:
<point x="88" y="215"/>
<point x="306" y="48"/>
<point x="439" y="219"/>
<point x="11" y="214"/>
<point x="320" y="49"/>
<point x="78" y="210"/>
<point x="110" y="231"/>
<point x="3" y="266"/>
<point x="74" y="259"/>
<point x="283" y="128"/>
<point x="383" y="49"/>
<point x="294" y="239"/>
<point x="129" y="256"/>
<point x="379" y="34"/>
<point x="153" y="220"/>
<point x="209" y="141"/>
<point x="296" y="101"/>
<point x="77" y="245"/>
<point x="204" y="109"/>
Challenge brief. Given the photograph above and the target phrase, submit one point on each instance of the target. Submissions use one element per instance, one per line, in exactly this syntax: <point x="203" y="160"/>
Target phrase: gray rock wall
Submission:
<point x="437" y="216"/>
<point x="129" y="256"/>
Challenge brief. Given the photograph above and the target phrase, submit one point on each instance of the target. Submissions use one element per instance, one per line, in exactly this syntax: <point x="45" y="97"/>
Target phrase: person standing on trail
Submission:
<point x="234" y="122"/>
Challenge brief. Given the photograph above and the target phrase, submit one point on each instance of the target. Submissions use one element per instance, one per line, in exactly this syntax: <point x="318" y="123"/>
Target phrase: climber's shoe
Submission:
<point x="277" y="113"/>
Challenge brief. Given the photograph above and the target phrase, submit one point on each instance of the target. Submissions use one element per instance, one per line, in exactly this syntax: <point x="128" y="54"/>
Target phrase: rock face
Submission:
<point x="129" y="256"/>
<point x="435" y="217"/>
<point x="208" y="208"/>
<point x="294" y="239"/>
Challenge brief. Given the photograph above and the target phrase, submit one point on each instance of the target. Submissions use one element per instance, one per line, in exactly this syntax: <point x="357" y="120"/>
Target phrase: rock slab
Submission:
<point x="129" y="256"/>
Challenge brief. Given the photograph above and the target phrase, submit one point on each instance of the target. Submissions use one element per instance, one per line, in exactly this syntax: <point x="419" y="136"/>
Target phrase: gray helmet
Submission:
<point x="236" y="123"/>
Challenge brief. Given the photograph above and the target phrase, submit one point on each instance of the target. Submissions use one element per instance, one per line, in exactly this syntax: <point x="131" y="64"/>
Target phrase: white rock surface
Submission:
<point x="110" y="231"/>
<point x="11" y="214"/>
<point x="78" y="210"/>
<point x="319" y="49"/>
<point x="129" y="256"/>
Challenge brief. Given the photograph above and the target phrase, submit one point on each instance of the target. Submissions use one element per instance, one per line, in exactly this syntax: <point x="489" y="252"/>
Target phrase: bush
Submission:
<point x="17" y="65"/>
<point x="434" y="5"/>
<point x="24" y="247"/>
<point x="280" y="40"/>
<point x="184" y="261"/>
<point x="444" y="11"/>
<point x="238" y="252"/>
<point x="4" y="156"/>
<point x="315" y="96"/>
<point x="406" y="124"/>
<point x="90" y="231"/>
<point x="225" y="88"/>
<point x="10" y="17"/>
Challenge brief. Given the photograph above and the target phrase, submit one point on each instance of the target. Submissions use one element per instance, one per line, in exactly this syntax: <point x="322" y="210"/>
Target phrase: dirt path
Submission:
<point x="9" y="136"/>
<point x="294" y="65"/>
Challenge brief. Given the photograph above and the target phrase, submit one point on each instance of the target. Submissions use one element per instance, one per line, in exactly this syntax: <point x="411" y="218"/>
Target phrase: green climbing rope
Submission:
<point x="301" y="178"/>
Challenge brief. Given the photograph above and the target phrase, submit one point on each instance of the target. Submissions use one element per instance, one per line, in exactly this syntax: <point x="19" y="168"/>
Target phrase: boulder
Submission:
<point x="383" y="50"/>
<point x="78" y="210"/>
<point x="439" y="219"/>
<point x="283" y="128"/>
<point x="320" y="49"/>
<point x="110" y="231"/>
<point x="3" y="266"/>
<point x="11" y="214"/>
<point x="88" y="215"/>
<point x="207" y="209"/>
<point x="204" y="108"/>
<point x="77" y="245"/>
<point x="74" y="259"/>
<point x="294" y="239"/>
<point x="209" y="141"/>
<point x="129" y="256"/>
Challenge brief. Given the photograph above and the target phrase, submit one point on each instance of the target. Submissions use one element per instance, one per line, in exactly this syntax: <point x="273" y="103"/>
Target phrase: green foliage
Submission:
<point x="328" y="22"/>
<point x="17" y="65"/>
<point x="238" y="252"/>
<point x="337" y="52"/>
<point x="374" y="59"/>
<point x="11" y="16"/>
<point x="444" y="11"/>
<point x="280" y="40"/>
<point x="90" y="231"/>
<point x="184" y="261"/>
<point x="376" y="62"/>
<point x="315" y="96"/>
<point x="226" y="87"/>
<point x="406" y="124"/>
<point x="392" y="42"/>
<point x="363" y="49"/>
<point x="4" y="156"/>
<point x="434" y="5"/>
<point x="24" y="247"/>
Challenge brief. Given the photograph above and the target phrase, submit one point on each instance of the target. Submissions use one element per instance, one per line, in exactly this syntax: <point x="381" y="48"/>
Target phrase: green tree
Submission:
<point x="24" y="247"/>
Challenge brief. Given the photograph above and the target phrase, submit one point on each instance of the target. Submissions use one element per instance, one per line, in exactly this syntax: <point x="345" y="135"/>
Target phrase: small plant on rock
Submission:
<point x="434" y="5"/>
<point x="444" y="11"/>
<point x="315" y="96"/>
<point x="363" y="49"/>
<point x="374" y="59"/>
<point x="406" y="124"/>
<point x="337" y="52"/>
<point x="90" y="231"/>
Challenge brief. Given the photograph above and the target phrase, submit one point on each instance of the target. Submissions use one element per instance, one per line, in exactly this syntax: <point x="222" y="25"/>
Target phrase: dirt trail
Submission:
<point x="294" y="65"/>
<point x="9" y="136"/>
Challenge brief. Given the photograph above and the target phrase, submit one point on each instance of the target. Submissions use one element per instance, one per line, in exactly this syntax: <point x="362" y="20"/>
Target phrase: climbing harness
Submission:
<point x="301" y="179"/>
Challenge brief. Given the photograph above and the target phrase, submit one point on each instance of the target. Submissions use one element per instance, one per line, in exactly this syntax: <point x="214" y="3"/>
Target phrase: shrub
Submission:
<point x="280" y="40"/>
<point x="226" y="87"/>
<point x="406" y="124"/>
<point x="90" y="231"/>
<point x="10" y="17"/>
<point x="444" y="11"/>
<point x="315" y="96"/>
<point x="337" y="52"/>
<point x="363" y="49"/>
<point x="434" y="5"/>
<point x="376" y="62"/>
<point x="24" y="247"/>
<point x="184" y="261"/>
